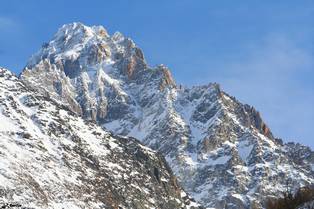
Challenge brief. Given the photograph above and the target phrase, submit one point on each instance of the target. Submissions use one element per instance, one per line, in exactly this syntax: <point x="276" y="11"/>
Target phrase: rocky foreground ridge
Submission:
<point x="51" y="158"/>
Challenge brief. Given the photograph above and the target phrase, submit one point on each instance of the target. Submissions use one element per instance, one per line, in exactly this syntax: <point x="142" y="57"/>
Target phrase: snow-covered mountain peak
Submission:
<point x="82" y="65"/>
<point x="79" y="32"/>
<point x="67" y="43"/>
<point x="221" y="150"/>
<point x="86" y="46"/>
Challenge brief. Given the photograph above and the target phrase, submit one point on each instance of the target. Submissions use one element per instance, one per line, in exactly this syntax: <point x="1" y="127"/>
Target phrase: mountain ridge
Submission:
<point x="211" y="140"/>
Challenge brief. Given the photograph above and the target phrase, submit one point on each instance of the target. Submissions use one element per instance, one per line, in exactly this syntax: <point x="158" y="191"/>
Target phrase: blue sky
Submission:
<point x="262" y="52"/>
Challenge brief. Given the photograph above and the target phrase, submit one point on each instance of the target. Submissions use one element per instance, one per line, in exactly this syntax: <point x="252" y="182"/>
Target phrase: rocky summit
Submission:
<point x="51" y="158"/>
<point x="222" y="152"/>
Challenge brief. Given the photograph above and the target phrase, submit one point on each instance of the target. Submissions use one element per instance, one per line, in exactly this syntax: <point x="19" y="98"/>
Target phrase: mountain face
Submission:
<point x="307" y="205"/>
<point x="50" y="158"/>
<point x="223" y="153"/>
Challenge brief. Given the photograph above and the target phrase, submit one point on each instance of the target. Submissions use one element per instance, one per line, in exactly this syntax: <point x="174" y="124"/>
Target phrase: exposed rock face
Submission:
<point x="223" y="153"/>
<point x="50" y="158"/>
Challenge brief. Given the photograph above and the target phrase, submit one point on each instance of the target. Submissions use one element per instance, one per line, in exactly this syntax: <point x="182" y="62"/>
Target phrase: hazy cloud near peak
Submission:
<point x="276" y="54"/>
<point x="271" y="76"/>
<point x="6" y="23"/>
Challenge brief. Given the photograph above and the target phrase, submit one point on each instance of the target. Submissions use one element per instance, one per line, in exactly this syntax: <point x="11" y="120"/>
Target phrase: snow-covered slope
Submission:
<point x="223" y="153"/>
<point x="50" y="158"/>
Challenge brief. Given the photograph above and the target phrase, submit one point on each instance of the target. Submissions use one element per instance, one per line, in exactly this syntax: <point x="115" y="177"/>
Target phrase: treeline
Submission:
<point x="293" y="201"/>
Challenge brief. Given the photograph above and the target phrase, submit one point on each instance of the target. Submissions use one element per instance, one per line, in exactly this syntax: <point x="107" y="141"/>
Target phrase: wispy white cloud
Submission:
<point x="274" y="76"/>
<point x="7" y="23"/>
<point x="8" y="30"/>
